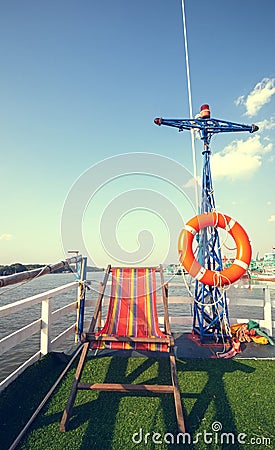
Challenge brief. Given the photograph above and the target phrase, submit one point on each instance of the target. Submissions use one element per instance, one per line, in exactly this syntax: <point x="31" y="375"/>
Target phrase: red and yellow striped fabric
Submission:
<point x="132" y="310"/>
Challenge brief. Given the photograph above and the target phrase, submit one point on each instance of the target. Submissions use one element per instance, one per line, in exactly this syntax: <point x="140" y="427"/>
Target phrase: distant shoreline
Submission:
<point x="18" y="267"/>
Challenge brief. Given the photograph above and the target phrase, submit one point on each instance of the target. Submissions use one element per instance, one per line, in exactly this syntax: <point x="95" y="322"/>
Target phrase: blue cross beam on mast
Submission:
<point x="210" y="318"/>
<point x="206" y="125"/>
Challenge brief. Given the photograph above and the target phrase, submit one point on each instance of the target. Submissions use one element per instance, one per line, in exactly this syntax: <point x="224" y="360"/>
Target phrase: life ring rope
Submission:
<point x="207" y="276"/>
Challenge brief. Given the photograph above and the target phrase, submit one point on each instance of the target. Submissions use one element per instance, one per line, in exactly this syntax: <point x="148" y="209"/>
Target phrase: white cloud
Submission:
<point x="272" y="218"/>
<point x="266" y="124"/>
<point x="239" y="160"/>
<point x="6" y="237"/>
<point x="258" y="97"/>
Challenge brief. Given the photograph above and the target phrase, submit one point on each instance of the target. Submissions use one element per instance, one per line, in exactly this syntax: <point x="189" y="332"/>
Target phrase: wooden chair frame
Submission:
<point x="90" y="337"/>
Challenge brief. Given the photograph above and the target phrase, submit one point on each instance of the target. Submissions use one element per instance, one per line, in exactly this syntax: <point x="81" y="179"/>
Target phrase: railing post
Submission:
<point x="82" y="272"/>
<point x="46" y="326"/>
<point x="267" y="311"/>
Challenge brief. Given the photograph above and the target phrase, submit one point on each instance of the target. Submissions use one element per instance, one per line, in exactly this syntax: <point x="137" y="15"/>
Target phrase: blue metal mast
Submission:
<point x="210" y="319"/>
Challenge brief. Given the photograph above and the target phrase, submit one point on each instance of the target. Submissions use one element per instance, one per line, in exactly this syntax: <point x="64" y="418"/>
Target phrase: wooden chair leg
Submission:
<point x="67" y="411"/>
<point x="177" y="399"/>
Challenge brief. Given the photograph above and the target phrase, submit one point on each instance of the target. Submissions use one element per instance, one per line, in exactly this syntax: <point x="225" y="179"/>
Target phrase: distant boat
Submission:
<point x="264" y="270"/>
<point x="269" y="263"/>
<point x="263" y="276"/>
<point x="174" y="269"/>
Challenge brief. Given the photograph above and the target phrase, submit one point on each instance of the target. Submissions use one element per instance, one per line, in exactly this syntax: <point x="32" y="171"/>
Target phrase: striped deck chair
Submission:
<point x="131" y="324"/>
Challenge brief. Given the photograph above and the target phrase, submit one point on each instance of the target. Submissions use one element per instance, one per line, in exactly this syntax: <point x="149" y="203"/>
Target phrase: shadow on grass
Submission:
<point x="20" y="399"/>
<point x="96" y="416"/>
<point x="211" y="393"/>
<point x="105" y="420"/>
<point x="103" y="412"/>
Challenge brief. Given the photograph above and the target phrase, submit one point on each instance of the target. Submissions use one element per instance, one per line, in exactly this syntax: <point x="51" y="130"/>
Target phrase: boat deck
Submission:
<point x="103" y="420"/>
<point x="187" y="346"/>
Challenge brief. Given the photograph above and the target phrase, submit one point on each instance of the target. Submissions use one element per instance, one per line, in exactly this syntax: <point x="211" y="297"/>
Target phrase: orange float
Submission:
<point x="193" y="267"/>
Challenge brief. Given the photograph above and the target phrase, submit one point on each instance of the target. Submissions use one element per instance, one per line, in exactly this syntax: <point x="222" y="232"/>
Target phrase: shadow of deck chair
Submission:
<point x="131" y="324"/>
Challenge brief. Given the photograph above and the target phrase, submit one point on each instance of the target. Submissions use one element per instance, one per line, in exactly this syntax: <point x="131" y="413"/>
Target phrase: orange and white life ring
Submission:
<point x="207" y="276"/>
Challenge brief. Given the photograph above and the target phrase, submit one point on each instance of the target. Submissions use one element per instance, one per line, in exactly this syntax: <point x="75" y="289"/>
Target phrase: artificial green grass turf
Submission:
<point x="237" y="393"/>
<point x="21" y="398"/>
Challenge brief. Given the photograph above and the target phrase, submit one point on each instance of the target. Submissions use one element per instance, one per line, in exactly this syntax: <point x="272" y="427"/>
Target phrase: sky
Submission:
<point x="83" y="166"/>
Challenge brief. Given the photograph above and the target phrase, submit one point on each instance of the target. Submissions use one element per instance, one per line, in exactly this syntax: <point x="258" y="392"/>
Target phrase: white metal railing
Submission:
<point x="43" y="325"/>
<point x="187" y="320"/>
<point x="267" y="323"/>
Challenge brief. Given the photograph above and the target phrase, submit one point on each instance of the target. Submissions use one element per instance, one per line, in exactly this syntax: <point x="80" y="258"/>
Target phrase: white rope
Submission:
<point x="185" y="282"/>
<point x="226" y="229"/>
<point x="224" y="325"/>
<point x="190" y="104"/>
